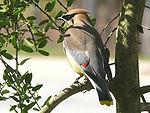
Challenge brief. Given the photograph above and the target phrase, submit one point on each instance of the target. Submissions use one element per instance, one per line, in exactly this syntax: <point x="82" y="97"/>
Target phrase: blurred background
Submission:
<point x="54" y="71"/>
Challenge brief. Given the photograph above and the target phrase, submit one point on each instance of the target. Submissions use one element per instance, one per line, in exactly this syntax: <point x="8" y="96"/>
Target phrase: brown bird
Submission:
<point x="86" y="53"/>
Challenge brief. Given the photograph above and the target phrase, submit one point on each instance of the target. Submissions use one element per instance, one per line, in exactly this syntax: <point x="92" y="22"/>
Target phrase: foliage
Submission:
<point x="14" y="26"/>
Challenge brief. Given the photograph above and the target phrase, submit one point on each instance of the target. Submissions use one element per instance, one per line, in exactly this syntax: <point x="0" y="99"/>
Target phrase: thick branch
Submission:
<point x="145" y="106"/>
<point x="143" y="89"/>
<point x="65" y="93"/>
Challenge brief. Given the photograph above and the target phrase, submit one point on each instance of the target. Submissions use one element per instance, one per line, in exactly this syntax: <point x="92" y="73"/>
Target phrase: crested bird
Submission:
<point x="86" y="53"/>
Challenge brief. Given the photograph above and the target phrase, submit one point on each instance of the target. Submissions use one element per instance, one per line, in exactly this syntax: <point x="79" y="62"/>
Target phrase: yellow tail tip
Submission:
<point x="107" y="102"/>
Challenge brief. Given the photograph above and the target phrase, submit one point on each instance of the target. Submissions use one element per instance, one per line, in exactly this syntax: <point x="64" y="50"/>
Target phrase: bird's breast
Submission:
<point x="73" y="64"/>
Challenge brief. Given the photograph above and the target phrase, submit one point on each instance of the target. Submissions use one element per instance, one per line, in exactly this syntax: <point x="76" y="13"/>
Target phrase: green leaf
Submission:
<point x="2" y="98"/>
<point x="23" y="61"/>
<point x="36" y="109"/>
<point x="46" y="28"/>
<point x="31" y="18"/>
<point x="29" y="106"/>
<point x="3" y="10"/>
<point x="29" y="42"/>
<point x="5" y="91"/>
<point x="69" y="2"/>
<point x="61" y="38"/>
<point x="93" y="21"/>
<point x="7" y="55"/>
<point x="28" y="78"/>
<point x="39" y="34"/>
<point x="37" y="1"/>
<point x="6" y="75"/>
<point x="26" y="49"/>
<point x="14" y="98"/>
<point x="13" y="41"/>
<point x="50" y="6"/>
<point x="46" y="101"/>
<point x="37" y="87"/>
<point x="12" y="108"/>
<point x="43" y="22"/>
<point x="42" y="44"/>
<point x="43" y="52"/>
<point x="59" y="14"/>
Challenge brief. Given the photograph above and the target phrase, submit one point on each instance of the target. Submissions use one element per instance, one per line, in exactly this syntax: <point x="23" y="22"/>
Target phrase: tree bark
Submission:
<point x="126" y="59"/>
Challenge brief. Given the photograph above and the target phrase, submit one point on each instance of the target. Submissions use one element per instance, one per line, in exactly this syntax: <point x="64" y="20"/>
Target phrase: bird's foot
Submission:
<point x="77" y="80"/>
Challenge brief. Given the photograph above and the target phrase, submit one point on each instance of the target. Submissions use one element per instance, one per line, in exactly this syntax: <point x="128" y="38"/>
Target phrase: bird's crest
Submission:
<point x="78" y="11"/>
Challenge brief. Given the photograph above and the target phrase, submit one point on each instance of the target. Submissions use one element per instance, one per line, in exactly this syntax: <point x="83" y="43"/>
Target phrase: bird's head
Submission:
<point x="75" y="14"/>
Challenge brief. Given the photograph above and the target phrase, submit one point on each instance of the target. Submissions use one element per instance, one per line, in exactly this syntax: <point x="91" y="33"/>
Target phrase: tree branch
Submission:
<point x="145" y="106"/>
<point x="145" y="27"/>
<point x="46" y="15"/>
<point x="109" y="23"/>
<point x="65" y="93"/>
<point x="62" y="5"/>
<point x="143" y="89"/>
<point x="110" y="36"/>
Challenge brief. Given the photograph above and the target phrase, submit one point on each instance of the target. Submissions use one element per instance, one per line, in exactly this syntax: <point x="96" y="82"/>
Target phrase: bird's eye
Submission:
<point x="68" y="17"/>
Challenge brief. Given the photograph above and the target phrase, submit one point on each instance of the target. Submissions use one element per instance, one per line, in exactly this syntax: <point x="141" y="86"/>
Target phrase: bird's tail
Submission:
<point x="104" y="97"/>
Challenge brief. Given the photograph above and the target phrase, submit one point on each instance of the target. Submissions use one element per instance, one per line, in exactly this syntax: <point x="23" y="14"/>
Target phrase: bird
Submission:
<point x="86" y="53"/>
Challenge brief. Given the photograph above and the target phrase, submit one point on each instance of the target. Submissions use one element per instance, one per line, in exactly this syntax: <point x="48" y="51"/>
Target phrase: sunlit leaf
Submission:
<point x="29" y="42"/>
<point x="47" y="100"/>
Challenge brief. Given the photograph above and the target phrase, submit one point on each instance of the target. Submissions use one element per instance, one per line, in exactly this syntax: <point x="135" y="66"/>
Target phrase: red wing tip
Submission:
<point x="84" y="65"/>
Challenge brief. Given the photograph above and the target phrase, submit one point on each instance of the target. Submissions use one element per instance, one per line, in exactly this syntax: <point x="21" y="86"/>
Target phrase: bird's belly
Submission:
<point x="73" y="64"/>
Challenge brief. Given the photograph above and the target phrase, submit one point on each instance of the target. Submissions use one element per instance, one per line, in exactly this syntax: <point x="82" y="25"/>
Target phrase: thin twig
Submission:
<point x="147" y="6"/>
<point x="110" y="36"/>
<point x="62" y="5"/>
<point x="145" y="27"/>
<point x="144" y="101"/>
<point x="46" y="15"/>
<point x="112" y="63"/>
<point x="34" y="99"/>
<point x="143" y="90"/>
<point x="109" y="23"/>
